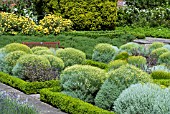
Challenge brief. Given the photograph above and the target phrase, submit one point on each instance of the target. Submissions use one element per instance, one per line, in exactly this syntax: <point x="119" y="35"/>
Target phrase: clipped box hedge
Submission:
<point x="69" y="104"/>
<point x="26" y="87"/>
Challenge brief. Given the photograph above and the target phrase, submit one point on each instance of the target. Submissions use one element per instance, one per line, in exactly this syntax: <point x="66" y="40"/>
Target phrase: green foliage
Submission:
<point x="103" y="52"/>
<point x="167" y="46"/>
<point x="55" y="62"/>
<point x="43" y="52"/>
<point x="82" y="81"/>
<point x="17" y="47"/>
<point x="122" y="55"/>
<point x="31" y="62"/>
<point x="119" y="80"/>
<point x="157" y="52"/>
<point x="155" y="45"/>
<point x="138" y="61"/>
<point x="71" y="56"/>
<point x="96" y="64"/>
<point x="131" y="48"/>
<point x="70" y="105"/>
<point x="164" y="58"/>
<point x="85" y="14"/>
<point x="143" y="99"/>
<point x="164" y="82"/>
<point x="38" y="48"/>
<point x="160" y="67"/>
<point x="27" y="87"/>
<point x="116" y="64"/>
<point x="11" y="59"/>
<point x="160" y="74"/>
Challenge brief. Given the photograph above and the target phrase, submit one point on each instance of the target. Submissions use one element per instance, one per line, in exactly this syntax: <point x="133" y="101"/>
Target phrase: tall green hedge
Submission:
<point x="85" y="14"/>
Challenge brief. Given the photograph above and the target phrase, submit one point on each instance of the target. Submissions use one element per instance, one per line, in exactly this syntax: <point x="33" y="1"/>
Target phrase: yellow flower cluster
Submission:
<point x="50" y="24"/>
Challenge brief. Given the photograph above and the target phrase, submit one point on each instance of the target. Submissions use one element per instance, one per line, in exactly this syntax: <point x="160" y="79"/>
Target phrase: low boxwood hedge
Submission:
<point x="69" y="104"/>
<point x="26" y="87"/>
<point x="96" y="64"/>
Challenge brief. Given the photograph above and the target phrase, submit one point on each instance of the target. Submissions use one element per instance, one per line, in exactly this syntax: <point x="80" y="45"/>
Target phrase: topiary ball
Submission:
<point x="38" y="48"/>
<point x="155" y="45"/>
<point x="32" y="68"/>
<point x="143" y="99"/>
<point x="159" y="51"/>
<point x="138" y="61"/>
<point x="164" y="58"/>
<point x="71" y="56"/>
<point x="17" y="47"/>
<point x="122" y="55"/>
<point x="119" y="80"/>
<point x="103" y="52"/>
<point x="116" y="64"/>
<point x="43" y="52"/>
<point x="82" y="81"/>
<point x="11" y="59"/>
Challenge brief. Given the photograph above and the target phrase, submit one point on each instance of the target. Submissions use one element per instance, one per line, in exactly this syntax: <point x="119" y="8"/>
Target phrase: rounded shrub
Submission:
<point x="103" y="52"/>
<point x="71" y="56"/>
<point x="82" y="81"/>
<point x="38" y="48"/>
<point x="11" y="59"/>
<point x="17" y="47"/>
<point x="159" y="67"/>
<point x="164" y="58"/>
<point x="155" y="45"/>
<point x="32" y="68"/>
<point x="138" y="61"/>
<point x="44" y="52"/>
<point x="119" y="80"/>
<point x="143" y="99"/>
<point x="55" y="62"/>
<point x="122" y="55"/>
<point x="157" y="52"/>
<point x="167" y="46"/>
<point x="2" y="58"/>
<point x="116" y="64"/>
<point x="160" y="74"/>
<point x="132" y="48"/>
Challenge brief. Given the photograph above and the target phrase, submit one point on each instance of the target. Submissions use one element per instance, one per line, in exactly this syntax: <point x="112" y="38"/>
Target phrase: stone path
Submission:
<point x="34" y="100"/>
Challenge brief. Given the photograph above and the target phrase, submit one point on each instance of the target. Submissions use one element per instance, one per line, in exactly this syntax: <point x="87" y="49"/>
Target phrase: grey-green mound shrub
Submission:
<point x="11" y="59"/>
<point x="159" y="67"/>
<point x="143" y="99"/>
<point x="32" y="68"/>
<point x="82" y="81"/>
<point x="116" y="64"/>
<point x="132" y="48"/>
<point x="167" y="46"/>
<point x="119" y="80"/>
<point x="17" y="47"/>
<point x="156" y="45"/>
<point x="55" y="62"/>
<point x="103" y="52"/>
<point x="138" y="61"/>
<point x="122" y="55"/>
<point x="71" y="56"/>
<point x="43" y="52"/>
<point x="2" y="59"/>
<point x="159" y="51"/>
<point x="38" y="48"/>
<point x="164" y="58"/>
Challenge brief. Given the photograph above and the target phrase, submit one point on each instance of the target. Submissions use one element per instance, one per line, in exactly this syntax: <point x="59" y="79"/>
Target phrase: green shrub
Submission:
<point x="55" y="62"/>
<point x="103" y="53"/>
<point x="26" y="65"/>
<point x="43" y="52"/>
<point x="157" y="52"/>
<point x="2" y="59"/>
<point x="82" y="81"/>
<point x="164" y="82"/>
<point x="71" y="56"/>
<point x="138" y="61"/>
<point x="69" y="104"/>
<point x="122" y="55"/>
<point x="11" y="59"/>
<point x="164" y="58"/>
<point x="132" y="48"/>
<point x="143" y="99"/>
<point x="155" y="45"/>
<point x="167" y="46"/>
<point x="85" y="14"/>
<point x="116" y="64"/>
<point x="159" y="74"/>
<point x="38" y="48"/>
<point x="17" y="47"/>
<point x="119" y="80"/>
<point x="96" y="64"/>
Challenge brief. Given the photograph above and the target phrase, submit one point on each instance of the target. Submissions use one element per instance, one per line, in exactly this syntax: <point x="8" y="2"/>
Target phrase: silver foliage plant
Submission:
<point x="143" y="99"/>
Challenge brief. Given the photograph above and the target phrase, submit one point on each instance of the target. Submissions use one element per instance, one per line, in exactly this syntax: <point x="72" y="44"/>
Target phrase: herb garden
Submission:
<point x="100" y="70"/>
